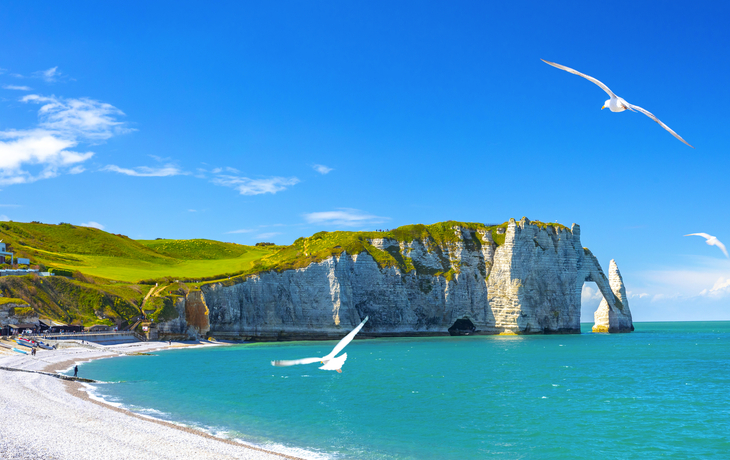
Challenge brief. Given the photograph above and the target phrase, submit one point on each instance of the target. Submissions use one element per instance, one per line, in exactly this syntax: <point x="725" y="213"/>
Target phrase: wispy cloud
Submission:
<point x="63" y="124"/>
<point x="243" y="230"/>
<point x="344" y="216"/>
<point x="49" y="75"/>
<point x="146" y="171"/>
<point x="17" y="87"/>
<point x="322" y="169"/>
<point x="4" y="218"/>
<point x="9" y="205"/>
<point x="268" y="235"/>
<point x="92" y="224"/>
<point x="246" y="186"/>
<point x="720" y="289"/>
<point x="85" y="118"/>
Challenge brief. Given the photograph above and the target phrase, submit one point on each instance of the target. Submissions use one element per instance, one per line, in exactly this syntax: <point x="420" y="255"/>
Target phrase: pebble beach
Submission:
<point x="45" y="417"/>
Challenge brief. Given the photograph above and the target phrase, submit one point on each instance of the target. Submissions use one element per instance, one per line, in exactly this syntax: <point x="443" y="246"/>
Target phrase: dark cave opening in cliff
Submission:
<point x="462" y="326"/>
<point x="590" y="299"/>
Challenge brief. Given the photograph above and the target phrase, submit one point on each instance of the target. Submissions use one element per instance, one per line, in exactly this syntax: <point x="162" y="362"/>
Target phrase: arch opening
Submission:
<point x="590" y="300"/>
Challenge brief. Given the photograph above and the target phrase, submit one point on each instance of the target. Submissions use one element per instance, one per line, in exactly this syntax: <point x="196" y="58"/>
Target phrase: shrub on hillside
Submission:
<point x="61" y="272"/>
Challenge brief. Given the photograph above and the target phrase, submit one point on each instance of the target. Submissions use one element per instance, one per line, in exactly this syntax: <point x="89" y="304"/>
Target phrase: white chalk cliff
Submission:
<point x="529" y="284"/>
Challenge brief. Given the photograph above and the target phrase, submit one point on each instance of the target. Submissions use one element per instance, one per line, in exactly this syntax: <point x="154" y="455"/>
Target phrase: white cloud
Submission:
<point x="268" y="235"/>
<point x="192" y="210"/>
<point x="720" y="289"/>
<point x="9" y="205"/>
<point x="146" y="171"/>
<point x="92" y="224"/>
<point x="590" y="295"/>
<point x="243" y="230"/>
<point x="247" y="186"/>
<point x="344" y="216"/>
<point x="4" y="218"/>
<point x="80" y="118"/>
<point x="46" y="151"/>
<point x="633" y="295"/>
<point x="322" y="169"/>
<point x="49" y="75"/>
<point x="76" y="170"/>
<point x="17" y="87"/>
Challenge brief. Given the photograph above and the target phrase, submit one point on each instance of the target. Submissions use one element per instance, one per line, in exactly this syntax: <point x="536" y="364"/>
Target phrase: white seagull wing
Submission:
<point x="587" y="77"/>
<point x="703" y="235"/>
<point x="294" y="362"/>
<point x="721" y="246"/>
<point x="335" y="363"/>
<point x="345" y="340"/>
<point x="651" y="115"/>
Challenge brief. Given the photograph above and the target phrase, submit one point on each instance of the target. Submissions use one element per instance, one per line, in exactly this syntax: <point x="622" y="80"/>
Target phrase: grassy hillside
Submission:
<point x="196" y="249"/>
<point x="118" y="257"/>
<point x="76" y="302"/>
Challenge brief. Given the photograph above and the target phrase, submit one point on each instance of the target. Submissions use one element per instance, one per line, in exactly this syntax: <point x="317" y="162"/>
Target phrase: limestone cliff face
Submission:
<point x="529" y="284"/>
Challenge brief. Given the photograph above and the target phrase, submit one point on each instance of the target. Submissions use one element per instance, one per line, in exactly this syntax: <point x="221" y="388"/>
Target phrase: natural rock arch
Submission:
<point x="613" y="313"/>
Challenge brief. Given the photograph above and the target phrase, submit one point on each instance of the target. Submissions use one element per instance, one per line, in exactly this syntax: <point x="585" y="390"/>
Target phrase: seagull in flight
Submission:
<point x="616" y="104"/>
<point x="712" y="241"/>
<point x="330" y="362"/>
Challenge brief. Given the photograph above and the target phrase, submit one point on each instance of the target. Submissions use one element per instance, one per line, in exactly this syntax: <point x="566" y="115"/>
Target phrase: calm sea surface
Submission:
<point x="659" y="392"/>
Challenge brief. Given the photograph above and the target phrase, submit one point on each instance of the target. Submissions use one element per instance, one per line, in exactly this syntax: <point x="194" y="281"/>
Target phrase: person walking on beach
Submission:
<point x="76" y="371"/>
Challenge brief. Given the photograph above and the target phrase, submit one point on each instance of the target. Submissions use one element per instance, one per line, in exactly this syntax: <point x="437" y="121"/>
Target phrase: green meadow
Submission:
<point x="116" y="257"/>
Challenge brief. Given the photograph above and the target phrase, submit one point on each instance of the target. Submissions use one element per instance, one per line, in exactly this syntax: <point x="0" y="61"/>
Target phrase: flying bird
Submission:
<point x="712" y="241"/>
<point x="330" y="362"/>
<point x="616" y="104"/>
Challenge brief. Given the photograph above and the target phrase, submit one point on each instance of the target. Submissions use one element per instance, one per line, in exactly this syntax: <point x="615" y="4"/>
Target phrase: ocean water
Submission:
<point x="659" y="392"/>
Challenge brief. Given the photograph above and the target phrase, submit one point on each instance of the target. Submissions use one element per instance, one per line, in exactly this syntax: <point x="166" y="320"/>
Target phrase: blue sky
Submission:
<point x="266" y="121"/>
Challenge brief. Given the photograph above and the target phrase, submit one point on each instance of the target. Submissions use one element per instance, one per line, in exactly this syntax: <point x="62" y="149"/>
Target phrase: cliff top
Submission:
<point x="322" y="245"/>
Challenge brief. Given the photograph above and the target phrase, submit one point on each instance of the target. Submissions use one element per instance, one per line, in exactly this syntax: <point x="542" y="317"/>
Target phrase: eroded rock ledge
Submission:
<point x="529" y="284"/>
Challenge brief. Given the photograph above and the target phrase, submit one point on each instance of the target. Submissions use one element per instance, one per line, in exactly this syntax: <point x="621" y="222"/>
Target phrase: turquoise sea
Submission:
<point x="659" y="392"/>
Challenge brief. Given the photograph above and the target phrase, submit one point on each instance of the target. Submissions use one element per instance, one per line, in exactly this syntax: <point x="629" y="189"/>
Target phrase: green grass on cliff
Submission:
<point x="322" y="245"/>
<point x="117" y="257"/>
<point x="197" y="249"/>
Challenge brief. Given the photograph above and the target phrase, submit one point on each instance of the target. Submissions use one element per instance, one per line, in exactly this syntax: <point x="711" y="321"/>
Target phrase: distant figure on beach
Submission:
<point x="76" y="371"/>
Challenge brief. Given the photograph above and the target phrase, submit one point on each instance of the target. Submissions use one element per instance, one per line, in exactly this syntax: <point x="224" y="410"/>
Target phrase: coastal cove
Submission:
<point x="540" y="396"/>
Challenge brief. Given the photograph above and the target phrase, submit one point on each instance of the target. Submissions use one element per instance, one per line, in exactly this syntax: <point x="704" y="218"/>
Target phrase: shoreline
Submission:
<point x="40" y="405"/>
